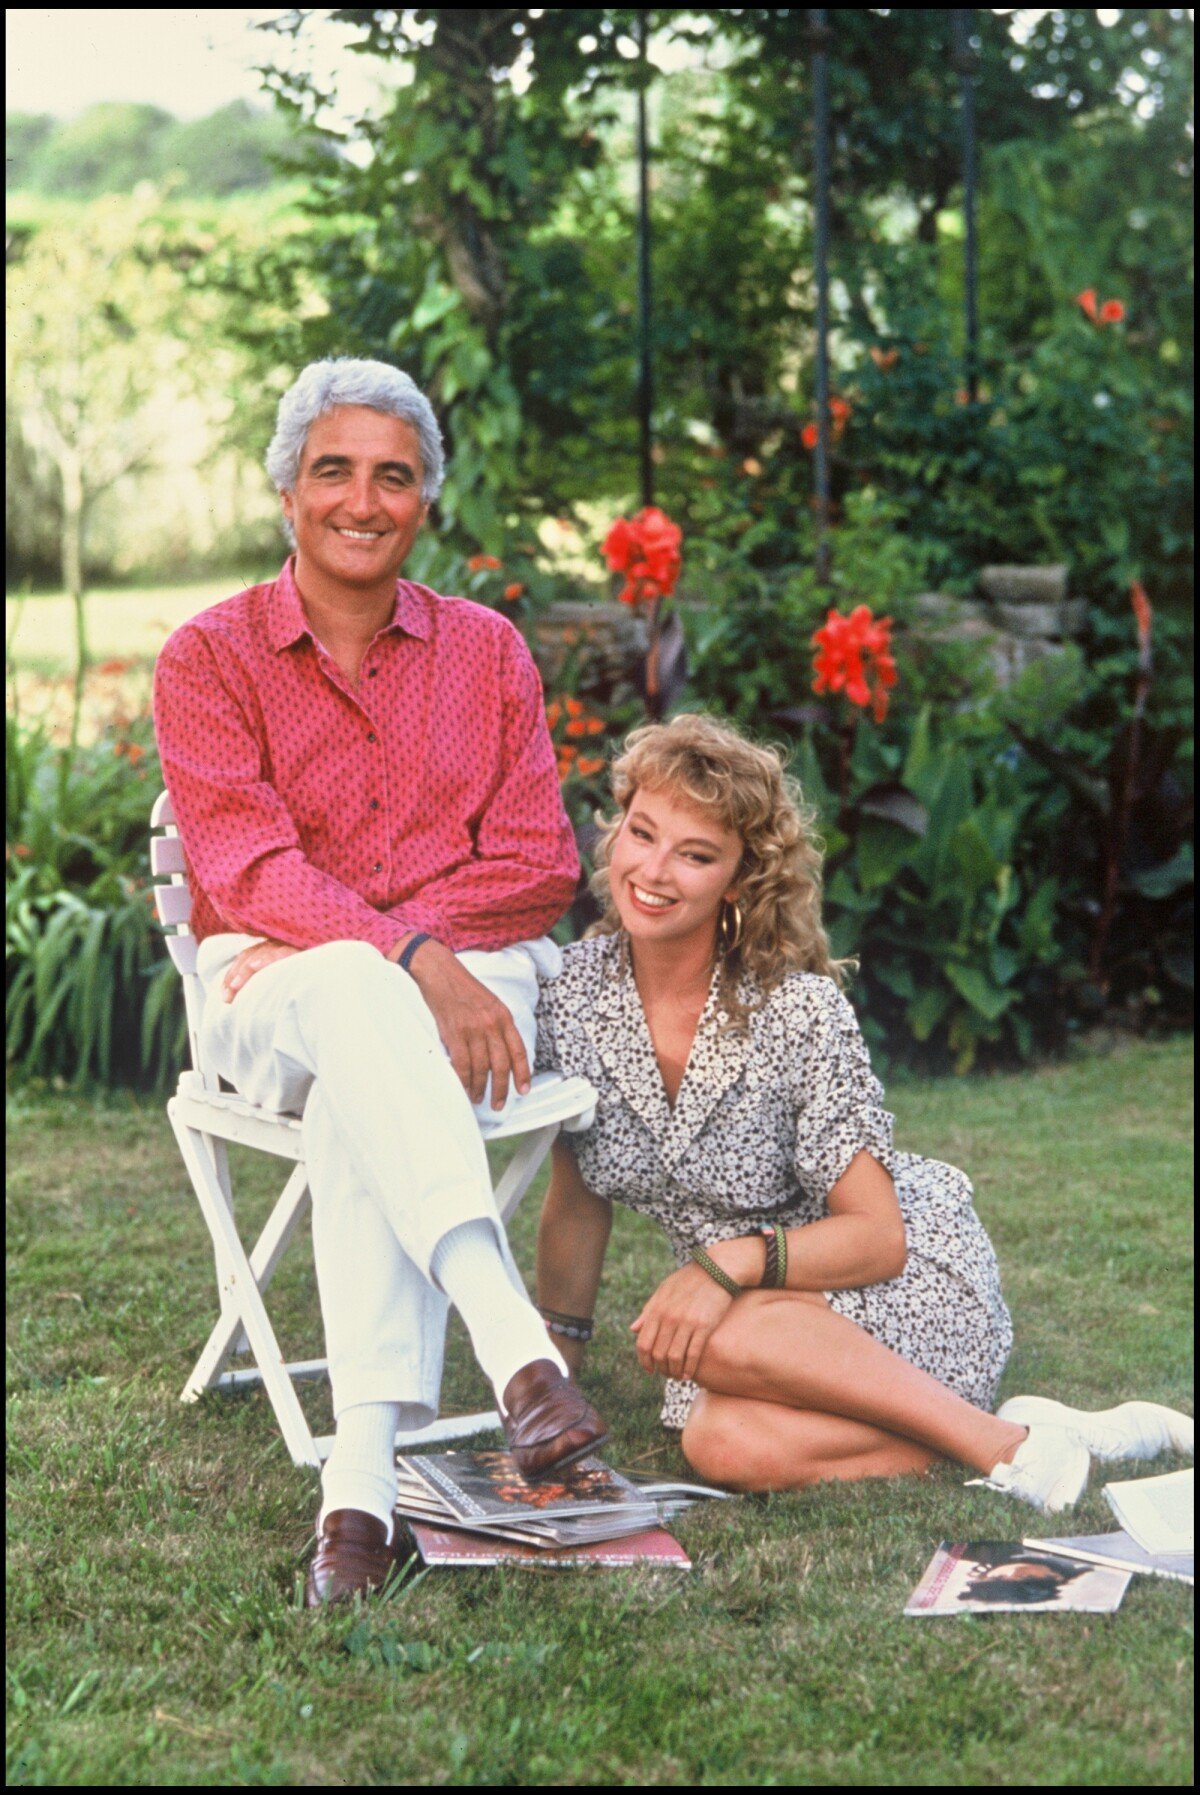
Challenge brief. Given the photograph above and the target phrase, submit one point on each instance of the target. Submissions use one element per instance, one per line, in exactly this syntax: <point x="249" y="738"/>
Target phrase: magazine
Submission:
<point x="998" y="1576"/>
<point x="447" y="1546"/>
<point x="1122" y="1552"/>
<point x="483" y="1493"/>
<point x="1158" y="1511"/>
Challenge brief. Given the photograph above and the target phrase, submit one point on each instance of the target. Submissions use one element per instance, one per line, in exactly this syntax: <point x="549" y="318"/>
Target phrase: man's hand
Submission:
<point x="250" y="961"/>
<point x="674" y="1327"/>
<point x="477" y="1030"/>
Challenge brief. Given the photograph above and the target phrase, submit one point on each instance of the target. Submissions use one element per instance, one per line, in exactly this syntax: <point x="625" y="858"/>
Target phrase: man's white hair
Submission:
<point x="343" y="381"/>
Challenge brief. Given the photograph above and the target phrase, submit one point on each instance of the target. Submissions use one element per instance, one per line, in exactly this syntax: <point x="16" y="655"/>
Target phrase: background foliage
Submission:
<point x="479" y="229"/>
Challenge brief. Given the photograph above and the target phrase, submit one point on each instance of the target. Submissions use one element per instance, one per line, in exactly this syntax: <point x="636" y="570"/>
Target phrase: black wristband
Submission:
<point x="417" y="941"/>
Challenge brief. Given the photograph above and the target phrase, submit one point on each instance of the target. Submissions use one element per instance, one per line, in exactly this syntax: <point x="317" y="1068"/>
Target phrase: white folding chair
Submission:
<point x="205" y="1118"/>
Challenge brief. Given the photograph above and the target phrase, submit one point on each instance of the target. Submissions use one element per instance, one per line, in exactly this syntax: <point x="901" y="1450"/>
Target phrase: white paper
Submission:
<point x="1158" y="1511"/>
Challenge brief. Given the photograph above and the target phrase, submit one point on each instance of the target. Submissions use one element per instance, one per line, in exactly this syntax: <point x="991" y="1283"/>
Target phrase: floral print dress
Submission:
<point x="766" y="1121"/>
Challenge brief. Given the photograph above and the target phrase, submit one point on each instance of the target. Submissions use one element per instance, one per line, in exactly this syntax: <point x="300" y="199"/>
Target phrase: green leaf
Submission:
<point x="973" y="855"/>
<point x="881" y="849"/>
<point x="987" y="999"/>
<point x="927" y="1011"/>
<point x="1169" y="877"/>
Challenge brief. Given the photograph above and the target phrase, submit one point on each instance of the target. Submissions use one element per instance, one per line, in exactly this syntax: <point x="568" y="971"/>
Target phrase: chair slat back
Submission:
<point x="173" y="901"/>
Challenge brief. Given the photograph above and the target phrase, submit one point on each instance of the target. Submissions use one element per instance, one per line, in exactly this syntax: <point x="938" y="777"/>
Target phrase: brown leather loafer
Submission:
<point x="548" y="1420"/>
<point x="352" y="1556"/>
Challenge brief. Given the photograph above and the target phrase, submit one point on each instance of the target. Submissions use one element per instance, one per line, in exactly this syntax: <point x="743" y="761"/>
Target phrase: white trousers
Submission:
<point x="395" y="1159"/>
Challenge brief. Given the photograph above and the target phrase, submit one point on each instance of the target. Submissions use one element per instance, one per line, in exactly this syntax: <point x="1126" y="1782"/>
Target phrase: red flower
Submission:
<point x="1087" y="302"/>
<point x="851" y="651"/>
<point x="1112" y="311"/>
<point x="646" y="550"/>
<point x="1142" y="611"/>
<point x="484" y="563"/>
<point x="839" y="414"/>
<point x="514" y="591"/>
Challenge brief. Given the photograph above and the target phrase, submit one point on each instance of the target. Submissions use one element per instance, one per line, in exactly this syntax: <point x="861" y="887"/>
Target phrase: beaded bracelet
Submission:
<point x="708" y="1264"/>
<point x="571" y="1327"/>
<point x="775" y="1270"/>
<point x="770" y="1277"/>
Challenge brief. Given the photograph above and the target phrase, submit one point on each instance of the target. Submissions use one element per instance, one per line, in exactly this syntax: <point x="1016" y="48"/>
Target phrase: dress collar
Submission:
<point x="621" y="1034"/>
<point x="287" y="623"/>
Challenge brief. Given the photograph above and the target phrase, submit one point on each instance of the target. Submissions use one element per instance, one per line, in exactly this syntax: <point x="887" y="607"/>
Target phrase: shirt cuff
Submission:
<point x="414" y="915"/>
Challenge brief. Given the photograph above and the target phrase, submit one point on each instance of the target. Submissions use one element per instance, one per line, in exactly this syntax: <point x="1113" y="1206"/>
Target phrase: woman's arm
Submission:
<point x="861" y="1240"/>
<point x="572" y="1240"/>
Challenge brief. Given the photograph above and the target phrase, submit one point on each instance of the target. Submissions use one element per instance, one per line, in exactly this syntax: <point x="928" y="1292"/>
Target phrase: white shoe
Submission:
<point x="1048" y="1470"/>
<point x="1131" y="1430"/>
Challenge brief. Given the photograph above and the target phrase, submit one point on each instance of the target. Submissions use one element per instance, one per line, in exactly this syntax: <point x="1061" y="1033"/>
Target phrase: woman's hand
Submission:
<point x="250" y="961"/>
<point x="675" y="1326"/>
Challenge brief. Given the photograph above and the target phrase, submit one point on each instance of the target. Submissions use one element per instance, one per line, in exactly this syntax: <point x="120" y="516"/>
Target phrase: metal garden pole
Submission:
<point x="820" y="37"/>
<point x="966" y="62"/>
<point x="645" y="371"/>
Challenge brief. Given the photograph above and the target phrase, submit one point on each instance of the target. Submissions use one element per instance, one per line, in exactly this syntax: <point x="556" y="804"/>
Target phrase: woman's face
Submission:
<point x="672" y="867"/>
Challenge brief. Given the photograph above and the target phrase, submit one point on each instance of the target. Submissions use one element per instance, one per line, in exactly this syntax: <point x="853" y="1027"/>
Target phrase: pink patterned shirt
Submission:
<point x="312" y="811"/>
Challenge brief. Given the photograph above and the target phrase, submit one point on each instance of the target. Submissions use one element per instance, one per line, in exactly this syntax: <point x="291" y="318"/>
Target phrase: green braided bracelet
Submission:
<point x="709" y="1264"/>
<point x="781" y="1238"/>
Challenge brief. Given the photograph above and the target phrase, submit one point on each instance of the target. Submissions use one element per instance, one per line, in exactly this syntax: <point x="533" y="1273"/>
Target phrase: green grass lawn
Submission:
<point x="156" y="1551"/>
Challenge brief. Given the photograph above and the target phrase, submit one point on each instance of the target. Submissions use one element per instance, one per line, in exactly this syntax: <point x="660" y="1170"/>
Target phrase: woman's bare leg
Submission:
<point x="791" y="1348"/>
<point x="750" y="1445"/>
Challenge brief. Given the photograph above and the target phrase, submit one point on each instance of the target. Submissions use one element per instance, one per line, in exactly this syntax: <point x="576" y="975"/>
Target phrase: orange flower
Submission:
<point x="884" y="359"/>
<point x="587" y="764"/>
<point x="575" y="707"/>
<point x="553" y="713"/>
<point x="484" y="563"/>
<point x="578" y="727"/>
<point x="1141" y="611"/>
<point x="22" y="850"/>
<point x="851" y="651"/>
<point x="514" y="591"/>
<point x="1086" y="301"/>
<point x="962" y="396"/>
<point x="1112" y="312"/>
<point x="135" y="754"/>
<point x="595" y="725"/>
<point x="808" y="436"/>
<point x="752" y="466"/>
<point x="114" y="667"/>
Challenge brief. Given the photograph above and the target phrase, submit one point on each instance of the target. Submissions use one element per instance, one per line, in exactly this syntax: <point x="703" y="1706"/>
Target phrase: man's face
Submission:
<point x="357" y="504"/>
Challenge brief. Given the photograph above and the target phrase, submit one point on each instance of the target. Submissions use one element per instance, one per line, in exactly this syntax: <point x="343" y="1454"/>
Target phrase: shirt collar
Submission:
<point x="288" y="624"/>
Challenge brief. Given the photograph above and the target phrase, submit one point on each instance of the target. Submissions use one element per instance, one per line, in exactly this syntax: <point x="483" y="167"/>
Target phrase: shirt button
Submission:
<point x="378" y="867"/>
<point x="374" y="803"/>
<point x="370" y="735"/>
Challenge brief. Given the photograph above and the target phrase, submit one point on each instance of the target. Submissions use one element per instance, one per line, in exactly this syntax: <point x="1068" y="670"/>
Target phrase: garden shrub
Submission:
<point x="90" y="996"/>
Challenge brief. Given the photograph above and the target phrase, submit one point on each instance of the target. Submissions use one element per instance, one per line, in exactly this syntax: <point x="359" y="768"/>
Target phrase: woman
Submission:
<point x="836" y="1311"/>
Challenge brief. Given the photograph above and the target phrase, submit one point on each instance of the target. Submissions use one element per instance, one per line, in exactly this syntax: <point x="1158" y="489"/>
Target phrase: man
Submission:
<point x="366" y="793"/>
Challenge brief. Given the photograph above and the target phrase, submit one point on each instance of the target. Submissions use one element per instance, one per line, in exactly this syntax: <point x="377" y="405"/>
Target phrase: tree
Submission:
<point x="99" y="320"/>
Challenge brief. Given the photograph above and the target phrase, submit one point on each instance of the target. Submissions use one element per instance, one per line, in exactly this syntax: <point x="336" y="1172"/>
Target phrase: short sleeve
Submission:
<point x="839" y="1100"/>
<point x="546" y="1058"/>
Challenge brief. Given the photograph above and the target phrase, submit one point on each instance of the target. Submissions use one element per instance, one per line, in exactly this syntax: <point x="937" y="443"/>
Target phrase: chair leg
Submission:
<point x="240" y="1288"/>
<point x="523" y="1168"/>
<point x="228" y="1334"/>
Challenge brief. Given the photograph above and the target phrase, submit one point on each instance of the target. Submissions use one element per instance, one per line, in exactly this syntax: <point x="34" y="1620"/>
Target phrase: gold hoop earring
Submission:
<point x="730" y="927"/>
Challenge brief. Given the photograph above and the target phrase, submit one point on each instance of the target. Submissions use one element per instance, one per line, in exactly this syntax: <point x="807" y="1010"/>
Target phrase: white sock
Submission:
<point x="506" y="1330"/>
<point x="360" y="1472"/>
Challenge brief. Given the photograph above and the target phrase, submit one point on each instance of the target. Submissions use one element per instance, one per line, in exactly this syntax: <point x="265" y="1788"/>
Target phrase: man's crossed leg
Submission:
<point x="404" y="1217"/>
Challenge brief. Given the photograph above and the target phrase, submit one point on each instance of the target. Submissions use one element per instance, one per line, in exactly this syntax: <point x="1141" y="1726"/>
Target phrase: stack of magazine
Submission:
<point x="476" y="1508"/>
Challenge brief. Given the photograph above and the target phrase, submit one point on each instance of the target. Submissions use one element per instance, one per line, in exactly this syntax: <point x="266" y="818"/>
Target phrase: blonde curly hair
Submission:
<point x="745" y="788"/>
